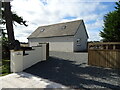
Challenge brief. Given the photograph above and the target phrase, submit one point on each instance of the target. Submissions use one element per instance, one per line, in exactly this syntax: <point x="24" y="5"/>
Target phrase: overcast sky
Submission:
<point x="43" y="12"/>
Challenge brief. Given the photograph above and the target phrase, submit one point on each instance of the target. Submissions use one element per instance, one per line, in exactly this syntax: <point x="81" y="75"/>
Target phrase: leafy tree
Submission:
<point x="8" y="19"/>
<point x="5" y="46"/>
<point x="111" y="28"/>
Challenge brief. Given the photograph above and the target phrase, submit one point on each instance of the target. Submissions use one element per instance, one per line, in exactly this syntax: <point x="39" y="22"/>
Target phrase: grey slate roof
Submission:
<point x="60" y="29"/>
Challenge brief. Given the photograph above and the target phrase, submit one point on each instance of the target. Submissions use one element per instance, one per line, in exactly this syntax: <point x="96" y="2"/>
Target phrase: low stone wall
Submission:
<point x="19" y="62"/>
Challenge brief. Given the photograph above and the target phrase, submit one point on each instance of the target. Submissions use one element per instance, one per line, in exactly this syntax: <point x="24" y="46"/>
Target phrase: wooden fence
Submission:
<point x="104" y="54"/>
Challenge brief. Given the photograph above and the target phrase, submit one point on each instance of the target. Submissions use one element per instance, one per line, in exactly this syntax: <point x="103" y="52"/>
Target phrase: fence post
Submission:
<point x="16" y="64"/>
<point x="114" y="47"/>
<point x="45" y="49"/>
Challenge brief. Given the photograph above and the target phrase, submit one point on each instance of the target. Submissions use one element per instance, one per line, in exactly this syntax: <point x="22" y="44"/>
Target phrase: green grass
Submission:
<point x="5" y="68"/>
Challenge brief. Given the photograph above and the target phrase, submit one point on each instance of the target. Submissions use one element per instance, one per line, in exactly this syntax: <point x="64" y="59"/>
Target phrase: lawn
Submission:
<point x="5" y="67"/>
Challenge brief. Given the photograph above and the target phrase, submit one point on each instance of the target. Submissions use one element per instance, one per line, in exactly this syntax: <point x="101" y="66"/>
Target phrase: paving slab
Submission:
<point x="26" y="80"/>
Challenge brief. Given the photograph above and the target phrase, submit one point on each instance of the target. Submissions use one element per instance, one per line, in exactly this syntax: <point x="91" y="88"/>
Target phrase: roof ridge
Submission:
<point x="61" y="23"/>
<point x="54" y="29"/>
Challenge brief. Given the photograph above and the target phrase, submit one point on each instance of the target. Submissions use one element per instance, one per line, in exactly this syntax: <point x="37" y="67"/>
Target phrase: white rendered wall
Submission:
<point x="19" y="62"/>
<point x="16" y="61"/>
<point x="33" y="57"/>
<point x="64" y="44"/>
<point x="81" y="34"/>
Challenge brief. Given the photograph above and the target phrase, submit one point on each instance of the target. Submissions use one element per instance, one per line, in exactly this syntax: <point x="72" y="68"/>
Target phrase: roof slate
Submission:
<point x="55" y="30"/>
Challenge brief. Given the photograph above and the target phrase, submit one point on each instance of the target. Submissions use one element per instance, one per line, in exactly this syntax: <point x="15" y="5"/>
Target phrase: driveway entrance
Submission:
<point x="25" y="80"/>
<point x="71" y="70"/>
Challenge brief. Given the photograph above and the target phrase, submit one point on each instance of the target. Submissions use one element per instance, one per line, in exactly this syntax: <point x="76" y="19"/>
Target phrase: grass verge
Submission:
<point x="5" y="67"/>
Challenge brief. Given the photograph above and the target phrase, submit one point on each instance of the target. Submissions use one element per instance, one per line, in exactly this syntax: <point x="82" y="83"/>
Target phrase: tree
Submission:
<point x="5" y="45"/>
<point x="9" y="18"/>
<point x="111" y="28"/>
<point x="15" y="17"/>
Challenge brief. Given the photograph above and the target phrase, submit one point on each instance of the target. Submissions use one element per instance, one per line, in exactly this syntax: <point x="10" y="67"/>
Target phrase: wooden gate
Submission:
<point x="104" y="54"/>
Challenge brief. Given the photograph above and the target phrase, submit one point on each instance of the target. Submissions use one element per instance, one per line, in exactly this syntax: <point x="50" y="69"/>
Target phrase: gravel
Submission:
<point x="71" y="70"/>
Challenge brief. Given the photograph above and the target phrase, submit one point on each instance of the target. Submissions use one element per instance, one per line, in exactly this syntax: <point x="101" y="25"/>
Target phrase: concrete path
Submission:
<point x="25" y="80"/>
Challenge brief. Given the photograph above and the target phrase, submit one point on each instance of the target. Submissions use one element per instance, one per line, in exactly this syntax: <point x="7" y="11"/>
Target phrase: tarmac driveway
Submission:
<point x="71" y="70"/>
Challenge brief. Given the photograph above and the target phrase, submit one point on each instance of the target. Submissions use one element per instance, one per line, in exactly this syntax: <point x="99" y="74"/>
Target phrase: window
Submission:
<point x="64" y="27"/>
<point x="42" y="30"/>
<point x="78" y="42"/>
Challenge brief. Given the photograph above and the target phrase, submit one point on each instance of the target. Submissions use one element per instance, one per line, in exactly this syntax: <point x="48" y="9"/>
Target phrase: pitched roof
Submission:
<point x="60" y="29"/>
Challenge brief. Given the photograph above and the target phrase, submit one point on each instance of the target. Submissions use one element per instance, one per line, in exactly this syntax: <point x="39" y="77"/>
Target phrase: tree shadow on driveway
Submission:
<point x="73" y="75"/>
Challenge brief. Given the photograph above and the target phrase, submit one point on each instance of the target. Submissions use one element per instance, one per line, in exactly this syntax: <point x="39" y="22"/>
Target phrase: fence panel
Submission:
<point x="104" y="54"/>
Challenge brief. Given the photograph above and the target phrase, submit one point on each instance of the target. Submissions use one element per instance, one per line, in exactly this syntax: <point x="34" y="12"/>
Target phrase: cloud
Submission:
<point x="94" y="36"/>
<point x="43" y="12"/>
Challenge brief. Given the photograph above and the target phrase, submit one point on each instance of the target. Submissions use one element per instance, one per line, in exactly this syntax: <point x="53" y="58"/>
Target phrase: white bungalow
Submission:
<point x="66" y="37"/>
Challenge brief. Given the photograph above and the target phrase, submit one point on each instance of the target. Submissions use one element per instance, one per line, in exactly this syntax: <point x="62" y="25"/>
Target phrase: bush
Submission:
<point x="5" y="49"/>
<point x="5" y="68"/>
